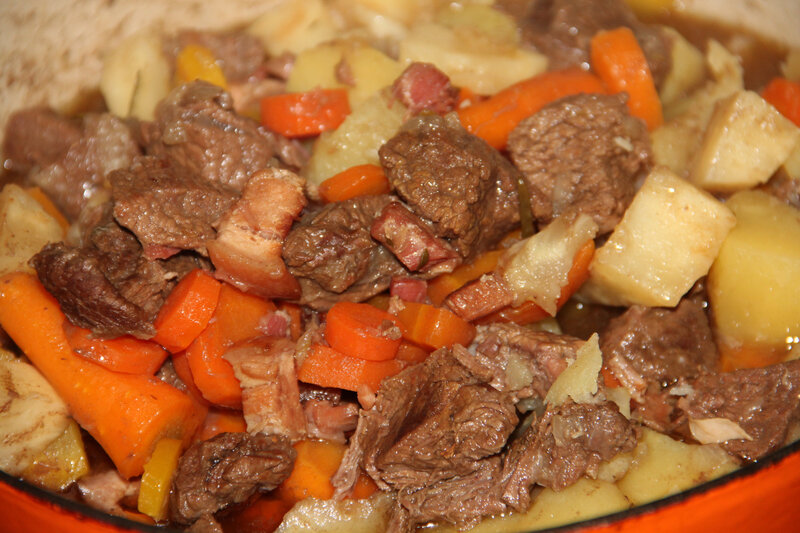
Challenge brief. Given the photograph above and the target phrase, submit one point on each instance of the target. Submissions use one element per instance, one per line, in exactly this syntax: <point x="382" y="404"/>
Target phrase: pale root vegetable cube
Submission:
<point x="316" y="68"/>
<point x="62" y="463"/>
<point x="676" y="141"/>
<point x="754" y="284"/>
<point x="536" y="268"/>
<point x="792" y="164"/>
<point x="136" y="77"/>
<point x="746" y="141"/>
<point x="665" y="242"/>
<point x="332" y="516"/>
<point x="470" y="58"/>
<point x="32" y="417"/>
<point x="496" y="25"/>
<point x="25" y="227"/>
<point x="371" y="70"/>
<point x="294" y="25"/>
<point x="662" y="466"/>
<point x="688" y="68"/>
<point x="579" y="380"/>
<point x="357" y="140"/>
<point x="585" y="499"/>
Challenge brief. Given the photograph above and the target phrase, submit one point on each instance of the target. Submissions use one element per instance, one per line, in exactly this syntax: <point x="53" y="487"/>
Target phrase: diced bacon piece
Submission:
<point x="422" y="86"/>
<point x="409" y="289"/>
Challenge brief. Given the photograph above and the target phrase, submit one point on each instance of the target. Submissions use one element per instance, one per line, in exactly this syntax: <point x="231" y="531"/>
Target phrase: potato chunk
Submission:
<point x="294" y="25"/>
<point x="754" y="284"/>
<point x="357" y="140"/>
<point x="746" y="141"/>
<point x="471" y="58"/>
<point x="24" y="228"/>
<point x="662" y="466"/>
<point x="667" y="240"/>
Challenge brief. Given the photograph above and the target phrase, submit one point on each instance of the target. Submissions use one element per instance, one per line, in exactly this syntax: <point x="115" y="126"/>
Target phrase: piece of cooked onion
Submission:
<point x="716" y="430"/>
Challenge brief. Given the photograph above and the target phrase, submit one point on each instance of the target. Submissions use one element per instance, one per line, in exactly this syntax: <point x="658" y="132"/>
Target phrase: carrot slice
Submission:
<point x="305" y="114"/>
<point x="264" y="515"/>
<point x="493" y="119"/>
<point x="212" y="374"/>
<point x="529" y="312"/>
<point x="411" y="353"/>
<point x="784" y="95"/>
<point x="361" y="330"/>
<point x="127" y="414"/>
<point x="434" y="327"/>
<point x="187" y="310"/>
<point x="327" y="367"/>
<point x="125" y="354"/>
<point x="441" y="286"/>
<point x="221" y="421"/>
<point x="360" y="180"/>
<point x="239" y="314"/>
<point x="195" y="62"/>
<point x="620" y="62"/>
<point x="181" y="366"/>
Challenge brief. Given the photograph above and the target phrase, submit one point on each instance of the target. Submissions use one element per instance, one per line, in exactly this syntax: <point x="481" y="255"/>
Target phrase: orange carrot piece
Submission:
<point x="784" y="95"/>
<point x="411" y="353"/>
<point x="364" y="488"/>
<point x="212" y="374"/>
<point x="360" y="180"/>
<point x="305" y="114"/>
<point x="316" y="463"/>
<point x="127" y="414"/>
<point x="125" y="354"/>
<point x="239" y="314"/>
<point x="181" y="366"/>
<point x="361" y="330"/>
<point x="750" y="356"/>
<point x="187" y="310"/>
<point x="441" y="286"/>
<point x="327" y="367"/>
<point x="264" y="515"/>
<point x="529" y="312"/>
<point x="434" y="327"/>
<point x="221" y="421"/>
<point x="494" y="118"/>
<point x="619" y="61"/>
<point x="48" y="205"/>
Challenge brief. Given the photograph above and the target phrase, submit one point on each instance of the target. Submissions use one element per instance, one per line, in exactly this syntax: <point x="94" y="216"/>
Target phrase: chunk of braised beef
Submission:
<point x="166" y="207"/>
<point x="423" y="87"/>
<point x="250" y="238"/>
<point x="431" y="422"/>
<point x="74" y="276"/>
<point x="453" y="179"/>
<point x="764" y="402"/>
<point x="36" y="137"/>
<point x="461" y="500"/>
<point x="581" y="154"/>
<point x="648" y="345"/>
<point x="105" y="144"/>
<point x="563" y="29"/>
<point x="413" y="242"/>
<point x="227" y="469"/>
<point x="568" y="442"/>
<point x="520" y="360"/>
<point x="198" y="129"/>
<point x="106" y="284"/>
<point x="332" y="255"/>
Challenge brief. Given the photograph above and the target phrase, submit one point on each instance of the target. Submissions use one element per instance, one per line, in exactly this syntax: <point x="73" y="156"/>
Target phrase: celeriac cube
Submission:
<point x="665" y="242"/>
<point x="754" y="284"/>
<point x="745" y="142"/>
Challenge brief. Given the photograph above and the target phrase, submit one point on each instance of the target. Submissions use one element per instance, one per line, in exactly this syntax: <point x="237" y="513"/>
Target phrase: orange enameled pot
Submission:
<point x="763" y="497"/>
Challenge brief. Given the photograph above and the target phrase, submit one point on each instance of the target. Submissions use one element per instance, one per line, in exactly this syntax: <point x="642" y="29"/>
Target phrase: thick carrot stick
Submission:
<point x="494" y="118"/>
<point x="187" y="310"/>
<point x="326" y="367"/>
<point x="125" y="354"/>
<point x="305" y="114"/>
<point x="359" y="180"/>
<point x="127" y="414"/>
<point x="620" y="62"/>
<point x="361" y="330"/>
<point x="434" y="327"/>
